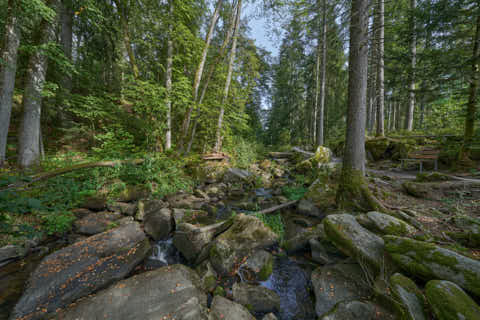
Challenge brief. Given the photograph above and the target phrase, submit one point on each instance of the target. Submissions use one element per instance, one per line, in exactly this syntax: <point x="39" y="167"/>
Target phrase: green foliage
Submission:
<point x="274" y="222"/>
<point x="294" y="193"/>
<point x="243" y="152"/>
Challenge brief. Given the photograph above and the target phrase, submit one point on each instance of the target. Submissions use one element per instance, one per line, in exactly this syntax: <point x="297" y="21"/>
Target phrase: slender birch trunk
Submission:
<point x="168" y="80"/>
<point x="321" y="110"/>
<point x="413" y="57"/>
<point x="7" y="73"/>
<point x="29" y="147"/>
<point x="380" y="28"/>
<point x="122" y="11"/>
<point x="218" y="143"/>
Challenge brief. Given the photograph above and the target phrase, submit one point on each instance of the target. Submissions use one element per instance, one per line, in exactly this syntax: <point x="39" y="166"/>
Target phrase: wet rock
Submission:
<point x="257" y="299"/>
<point x="96" y="222"/>
<point x="246" y="234"/>
<point x="336" y="283"/>
<point x="80" y="269"/>
<point x="259" y="266"/>
<point x="324" y="252"/>
<point x="270" y="316"/>
<point x="185" y="201"/>
<point x="171" y="292"/>
<point x="450" y="302"/>
<point x="128" y="209"/>
<point x="191" y="239"/>
<point x="308" y="208"/>
<point x="208" y="276"/>
<point x="301" y="240"/>
<point x="223" y="309"/>
<point x="471" y="227"/>
<point x="385" y="224"/>
<point x="411" y="298"/>
<point x="11" y="252"/>
<point x="429" y="261"/>
<point x="148" y="206"/>
<point x="352" y="310"/>
<point x="158" y="224"/>
<point x="354" y="240"/>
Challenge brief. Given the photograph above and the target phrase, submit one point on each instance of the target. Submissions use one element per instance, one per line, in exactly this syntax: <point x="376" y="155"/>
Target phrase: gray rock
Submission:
<point x="352" y="310"/>
<point x="185" y="201"/>
<point x="385" y="224"/>
<point x="95" y="203"/>
<point x="128" y="209"/>
<point x="429" y="261"/>
<point x="208" y="276"/>
<point x="246" y="234"/>
<point x="224" y="309"/>
<point x="96" y="222"/>
<point x="259" y="266"/>
<point x="80" y="269"/>
<point x="324" y="252"/>
<point x="354" y="240"/>
<point x="11" y="252"/>
<point x="146" y="206"/>
<point x="158" y="224"/>
<point x="308" y="208"/>
<point x="170" y="292"/>
<point x="191" y="239"/>
<point x="270" y="316"/>
<point x="256" y="298"/>
<point x="336" y="283"/>
<point x="449" y="301"/>
<point x="411" y="298"/>
<point x="302" y="237"/>
<point x="233" y="175"/>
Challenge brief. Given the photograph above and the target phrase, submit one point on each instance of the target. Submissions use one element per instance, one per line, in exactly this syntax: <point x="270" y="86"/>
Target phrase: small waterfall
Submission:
<point x="163" y="254"/>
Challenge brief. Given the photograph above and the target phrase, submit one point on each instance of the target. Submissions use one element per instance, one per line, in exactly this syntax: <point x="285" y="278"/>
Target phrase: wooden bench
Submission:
<point x="423" y="155"/>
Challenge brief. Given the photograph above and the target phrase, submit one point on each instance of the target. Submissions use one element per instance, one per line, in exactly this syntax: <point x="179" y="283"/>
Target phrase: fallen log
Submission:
<point x="61" y="171"/>
<point x="303" y="152"/>
<point x="281" y="206"/>
<point x="216" y="156"/>
<point x="280" y="155"/>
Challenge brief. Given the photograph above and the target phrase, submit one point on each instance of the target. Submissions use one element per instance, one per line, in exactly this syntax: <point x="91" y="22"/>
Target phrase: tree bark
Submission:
<point x="472" y="98"/>
<point x="29" y="150"/>
<point x="380" y="28"/>
<point x="168" y="80"/>
<point x="66" y="41"/>
<point x="7" y="73"/>
<point x="413" y="57"/>
<point x="122" y="9"/>
<point x="200" y="68"/>
<point x="323" y="78"/>
<point x="353" y="192"/>
<point x="218" y="143"/>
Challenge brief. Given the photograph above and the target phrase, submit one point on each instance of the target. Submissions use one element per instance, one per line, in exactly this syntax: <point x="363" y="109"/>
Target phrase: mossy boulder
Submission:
<point x="432" y="177"/>
<point x="323" y="155"/>
<point x="158" y="224"/>
<point x="301" y="240"/>
<point x="256" y="298"/>
<point x="208" y="276"/>
<point x="351" y="310"/>
<point x="223" y="308"/>
<point x="385" y="224"/>
<point x="384" y="148"/>
<point x="336" y="283"/>
<point x="259" y="266"/>
<point x="413" y="303"/>
<point x="246" y="234"/>
<point x="354" y="240"/>
<point x="450" y="302"/>
<point x="471" y="229"/>
<point x="429" y="261"/>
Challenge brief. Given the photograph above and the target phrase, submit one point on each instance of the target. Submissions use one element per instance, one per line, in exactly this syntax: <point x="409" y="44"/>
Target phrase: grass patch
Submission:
<point x="274" y="222"/>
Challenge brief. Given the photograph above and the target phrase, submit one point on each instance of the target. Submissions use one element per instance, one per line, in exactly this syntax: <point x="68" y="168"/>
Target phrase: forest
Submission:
<point x="239" y="159"/>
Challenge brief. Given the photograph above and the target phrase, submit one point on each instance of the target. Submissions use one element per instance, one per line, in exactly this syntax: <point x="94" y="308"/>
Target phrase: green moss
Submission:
<point x="449" y="302"/>
<point x="266" y="270"/>
<point x="219" y="291"/>
<point x="406" y="291"/>
<point x="209" y="283"/>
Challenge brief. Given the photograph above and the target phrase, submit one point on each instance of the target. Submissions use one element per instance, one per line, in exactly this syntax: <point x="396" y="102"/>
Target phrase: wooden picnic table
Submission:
<point x="423" y="155"/>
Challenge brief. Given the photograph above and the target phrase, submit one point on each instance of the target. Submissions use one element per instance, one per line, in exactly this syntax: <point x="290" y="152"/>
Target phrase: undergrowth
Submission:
<point x="274" y="222"/>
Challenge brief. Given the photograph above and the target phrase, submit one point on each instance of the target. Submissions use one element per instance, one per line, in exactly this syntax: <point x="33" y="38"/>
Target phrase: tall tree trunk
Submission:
<point x="413" y="57"/>
<point x="353" y="192"/>
<point x="122" y="11"/>
<point x="380" y="28"/>
<point x="399" y="113"/>
<point x="66" y="41"/>
<point x="218" y="143"/>
<point x="211" y="71"/>
<point x="8" y="70"/>
<point x="29" y="148"/>
<point x="323" y="78"/>
<point x="472" y="98"/>
<point x="200" y="68"/>
<point x="394" y="116"/>
<point x="168" y="80"/>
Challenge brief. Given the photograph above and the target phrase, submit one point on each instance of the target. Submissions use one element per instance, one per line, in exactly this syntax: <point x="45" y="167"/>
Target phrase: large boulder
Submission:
<point x="96" y="222"/>
<point x="259" y="266"/>
<point x="385" y="224"/>
<point x="406" y="292"/>
<point x="307" y="207"/>
<point x="429" y="261"/>
<point x="80" y="269"/>
<point x="11" y="252"/>
<point x="171" y="292"/>
<point x="235" y="175"/>
<point x="128" y="209"/>
<point x="223" y="308"/>
<point x="149" y="206"/>
<point x="158" y="224"/>
<point x="351" y="310"/>
<point x="450" y="302"/>
<point x="336" y="283"/>
<point x="185" y="201"/>
<point x="354" y="240"/>
<point x="256" y="298"/>
<point x="246" y="234"/>
<point x="191" y="240"/>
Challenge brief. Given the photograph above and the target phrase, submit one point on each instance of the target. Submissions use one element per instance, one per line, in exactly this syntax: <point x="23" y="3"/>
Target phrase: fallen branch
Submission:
<point x="280" y="155"/>
<point x="303" y="152"/>
<point x="61" y="171"/>
<point x="273" y="209"/>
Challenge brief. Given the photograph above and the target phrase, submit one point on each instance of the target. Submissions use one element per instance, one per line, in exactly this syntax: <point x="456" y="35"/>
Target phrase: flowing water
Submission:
<point x="163" y="254"/>
<point x="292" y="284"/>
